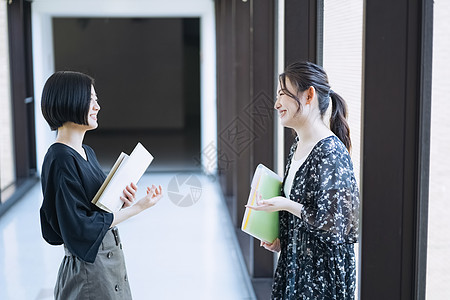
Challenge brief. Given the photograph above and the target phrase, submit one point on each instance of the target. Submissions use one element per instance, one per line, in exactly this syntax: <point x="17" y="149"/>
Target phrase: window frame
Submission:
<point x="22" y="100"/>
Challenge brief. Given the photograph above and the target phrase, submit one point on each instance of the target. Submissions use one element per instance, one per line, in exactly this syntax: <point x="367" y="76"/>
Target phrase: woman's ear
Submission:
<point x="310" y="93"/>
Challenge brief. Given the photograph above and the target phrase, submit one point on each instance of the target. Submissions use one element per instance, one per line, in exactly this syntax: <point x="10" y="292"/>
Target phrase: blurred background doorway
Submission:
<point x="147" y="73"/>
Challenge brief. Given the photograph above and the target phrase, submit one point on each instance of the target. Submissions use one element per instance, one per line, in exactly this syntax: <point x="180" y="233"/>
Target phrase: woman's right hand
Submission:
<point x="274" y="247"/>
<point x="154" y="194"/>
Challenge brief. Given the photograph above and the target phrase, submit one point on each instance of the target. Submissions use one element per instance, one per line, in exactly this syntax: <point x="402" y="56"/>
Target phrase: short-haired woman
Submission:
<point x="320" y="202"/>
<point x="94" y="265"/>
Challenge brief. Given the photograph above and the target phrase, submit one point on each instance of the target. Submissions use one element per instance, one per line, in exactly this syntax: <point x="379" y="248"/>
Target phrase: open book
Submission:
<point x="260" y="224"/>
<point x="126" y="169"/>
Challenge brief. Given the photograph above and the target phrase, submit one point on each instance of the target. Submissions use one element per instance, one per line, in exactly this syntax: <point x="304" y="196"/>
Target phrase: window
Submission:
<point x="7" y="168"/>
<point x="342" y="60"/>
<point x="17" y="134"/>
<point x="438" y="262"/>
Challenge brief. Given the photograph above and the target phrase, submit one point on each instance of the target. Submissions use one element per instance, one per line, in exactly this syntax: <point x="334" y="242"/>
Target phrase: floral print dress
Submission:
<point x="317" y="259"/>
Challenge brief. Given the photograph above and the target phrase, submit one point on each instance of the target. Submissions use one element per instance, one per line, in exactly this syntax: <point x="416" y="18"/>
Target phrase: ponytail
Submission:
<point x="338" y="120"/>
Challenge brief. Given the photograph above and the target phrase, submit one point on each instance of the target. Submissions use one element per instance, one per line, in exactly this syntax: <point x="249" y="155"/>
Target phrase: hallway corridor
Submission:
<point x="171" y="252"/>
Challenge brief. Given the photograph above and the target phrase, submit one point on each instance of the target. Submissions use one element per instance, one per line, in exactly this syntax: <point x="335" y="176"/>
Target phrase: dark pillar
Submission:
<point x="395" y="151"/>
<point x="301" y="39"/>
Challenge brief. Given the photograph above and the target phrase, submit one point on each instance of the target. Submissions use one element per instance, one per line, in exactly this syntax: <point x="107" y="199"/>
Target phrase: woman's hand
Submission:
<point x="277" y="204"/>
<point x="274" y="247"/>
<point x="154" y="194"/>
<point x="129" y="194"/>
<point x="270" y="205"/>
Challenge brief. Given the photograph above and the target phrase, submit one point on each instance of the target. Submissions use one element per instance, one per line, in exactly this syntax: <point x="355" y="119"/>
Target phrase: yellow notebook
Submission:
<point x="126" y="169"/>
<point x="260" y="224"/>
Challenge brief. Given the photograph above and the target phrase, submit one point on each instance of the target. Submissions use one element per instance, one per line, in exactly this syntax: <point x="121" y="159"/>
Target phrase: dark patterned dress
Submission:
<point x="317" y="259"/>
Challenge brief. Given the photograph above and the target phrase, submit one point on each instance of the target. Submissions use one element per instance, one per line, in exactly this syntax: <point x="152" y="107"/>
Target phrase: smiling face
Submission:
<point x="288" y="108"/>
<point x="94" y="108"/>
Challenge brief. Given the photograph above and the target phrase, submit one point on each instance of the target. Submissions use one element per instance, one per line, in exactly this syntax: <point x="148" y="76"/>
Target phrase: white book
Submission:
<point x="126" y="169"/>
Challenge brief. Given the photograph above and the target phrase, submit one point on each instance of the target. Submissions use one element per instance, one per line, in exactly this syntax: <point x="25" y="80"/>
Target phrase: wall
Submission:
<point x="44" y="10"/>
<point x="145" y="86"/>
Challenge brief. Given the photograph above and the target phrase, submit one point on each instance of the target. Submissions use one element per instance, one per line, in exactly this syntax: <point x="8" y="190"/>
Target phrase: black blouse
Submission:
<point x="69" y="183"/>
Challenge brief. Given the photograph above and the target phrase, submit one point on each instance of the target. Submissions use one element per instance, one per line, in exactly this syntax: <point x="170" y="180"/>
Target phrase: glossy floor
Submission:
<point x="172" y="252"/>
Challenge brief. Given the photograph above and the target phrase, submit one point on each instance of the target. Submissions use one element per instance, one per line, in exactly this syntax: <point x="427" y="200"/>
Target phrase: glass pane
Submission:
<point x="438" y="261"/>
<point x="342" y="60"/>
<point x="6" y="139"/>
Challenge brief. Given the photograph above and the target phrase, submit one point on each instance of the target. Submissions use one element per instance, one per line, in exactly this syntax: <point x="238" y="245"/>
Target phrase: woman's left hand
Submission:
<point x="270" y="205"/>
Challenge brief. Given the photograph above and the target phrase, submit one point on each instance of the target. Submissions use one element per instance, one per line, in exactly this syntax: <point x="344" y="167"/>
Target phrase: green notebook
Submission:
<point x="260" y="224"/>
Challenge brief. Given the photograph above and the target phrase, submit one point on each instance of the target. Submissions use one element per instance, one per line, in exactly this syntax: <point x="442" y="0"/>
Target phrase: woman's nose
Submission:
<point x="277" y="104"/>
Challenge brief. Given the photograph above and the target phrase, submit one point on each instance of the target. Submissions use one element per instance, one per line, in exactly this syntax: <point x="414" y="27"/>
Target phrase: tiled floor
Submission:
<point x="171" y="252"/>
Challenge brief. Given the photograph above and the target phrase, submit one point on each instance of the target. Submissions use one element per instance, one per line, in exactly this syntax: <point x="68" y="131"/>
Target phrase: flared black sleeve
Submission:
<point x="67" y="214"/>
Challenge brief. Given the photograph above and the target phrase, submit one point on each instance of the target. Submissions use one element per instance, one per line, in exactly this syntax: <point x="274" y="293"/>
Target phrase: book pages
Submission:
<point x="110" y="175"/>
<point x="126" y="170"/>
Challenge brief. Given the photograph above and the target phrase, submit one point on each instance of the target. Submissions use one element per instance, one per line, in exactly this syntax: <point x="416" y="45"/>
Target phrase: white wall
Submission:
<point x="43" y="58"/>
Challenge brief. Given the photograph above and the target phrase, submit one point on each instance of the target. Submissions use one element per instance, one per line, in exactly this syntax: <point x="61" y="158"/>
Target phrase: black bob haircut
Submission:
<point x="65" y="98"/>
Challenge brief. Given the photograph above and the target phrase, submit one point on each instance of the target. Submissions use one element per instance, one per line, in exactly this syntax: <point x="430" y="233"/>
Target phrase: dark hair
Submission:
<point x="303" y="75"/>
<point x="66" y="98"/>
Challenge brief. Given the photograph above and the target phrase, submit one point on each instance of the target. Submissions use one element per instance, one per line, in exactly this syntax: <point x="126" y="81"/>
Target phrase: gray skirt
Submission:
<point x="106" y="278"/>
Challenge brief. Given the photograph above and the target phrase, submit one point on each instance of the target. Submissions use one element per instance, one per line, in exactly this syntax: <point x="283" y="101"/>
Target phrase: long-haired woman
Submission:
<point x="320" y="201"/>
